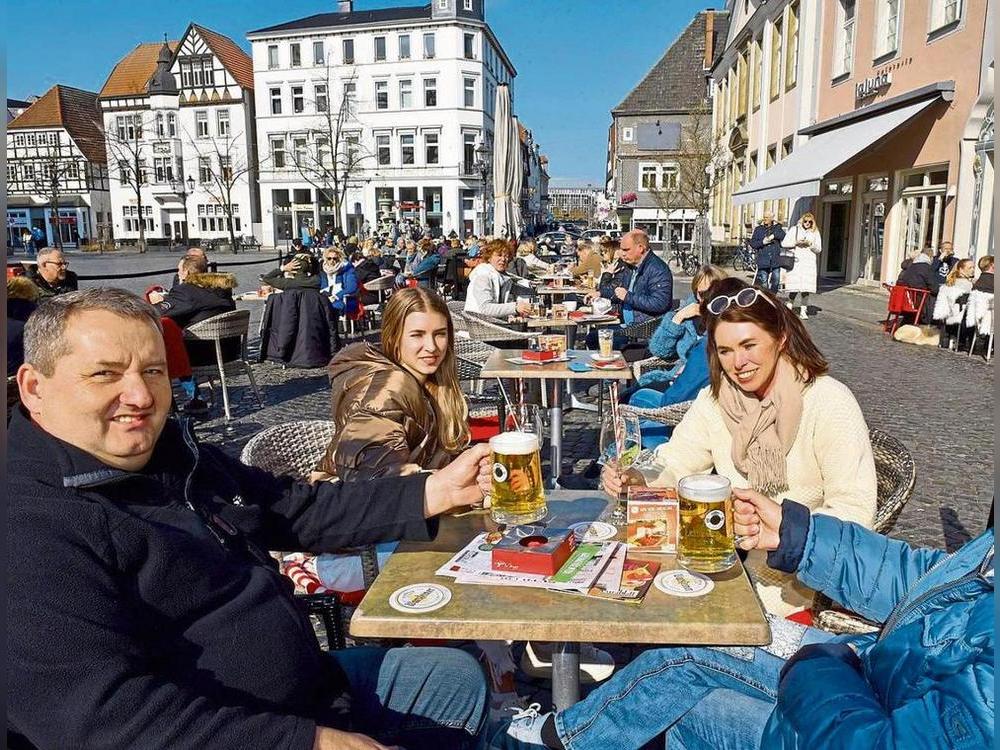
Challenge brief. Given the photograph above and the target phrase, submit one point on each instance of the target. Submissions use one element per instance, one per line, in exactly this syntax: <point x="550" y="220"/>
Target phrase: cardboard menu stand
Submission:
<point x="652" y="519"/>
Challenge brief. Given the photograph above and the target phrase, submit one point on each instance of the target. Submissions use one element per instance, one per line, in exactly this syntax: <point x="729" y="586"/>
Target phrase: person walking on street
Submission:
<point x="805" y="242"/>
<point x="766" y="240"/>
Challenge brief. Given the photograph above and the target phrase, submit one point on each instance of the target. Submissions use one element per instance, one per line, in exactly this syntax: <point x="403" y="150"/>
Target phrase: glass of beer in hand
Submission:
<point x="706" y="540"/>
<point x="517" y="493"/>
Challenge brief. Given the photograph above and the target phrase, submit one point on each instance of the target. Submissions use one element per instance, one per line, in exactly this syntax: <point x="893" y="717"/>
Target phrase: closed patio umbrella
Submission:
<point x="517" y="164"/>
<point x="503" y="170"/>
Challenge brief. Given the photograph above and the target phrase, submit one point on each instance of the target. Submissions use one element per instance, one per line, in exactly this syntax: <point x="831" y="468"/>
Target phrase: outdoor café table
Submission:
<point x="552" y="374"/>
<point x="729" y="615"/>
<point x="571" y="325"/>
<point x="383" y="282"/>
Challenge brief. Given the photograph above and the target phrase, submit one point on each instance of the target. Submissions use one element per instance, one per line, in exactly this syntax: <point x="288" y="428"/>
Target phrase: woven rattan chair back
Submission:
<point x="896" y="473"/>
<point x="291" y="449"/>
<point x="223" y="326"/>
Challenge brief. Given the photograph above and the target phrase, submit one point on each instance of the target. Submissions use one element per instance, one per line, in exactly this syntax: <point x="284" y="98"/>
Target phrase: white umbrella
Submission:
<point x="517" y="182"/>
<point x="502" y="168"/>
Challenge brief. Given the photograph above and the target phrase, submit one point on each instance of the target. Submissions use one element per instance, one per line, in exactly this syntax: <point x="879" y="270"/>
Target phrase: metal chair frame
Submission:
<point x="225" y="326"/>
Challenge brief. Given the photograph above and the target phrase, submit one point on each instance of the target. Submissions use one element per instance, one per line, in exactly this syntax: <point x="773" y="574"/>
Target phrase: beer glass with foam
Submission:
<point x="706" y="539"/>
<point x="517" y="493"/>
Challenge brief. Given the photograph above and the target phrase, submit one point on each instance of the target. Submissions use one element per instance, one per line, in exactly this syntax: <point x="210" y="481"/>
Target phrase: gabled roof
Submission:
<point x="354" y="18"/>
<point x="75" y="110"/>
<point x="230" y="54"/>
<point x="17" y="104"/>
<point x="678" y="80"/>
<point x="130" y="76"/>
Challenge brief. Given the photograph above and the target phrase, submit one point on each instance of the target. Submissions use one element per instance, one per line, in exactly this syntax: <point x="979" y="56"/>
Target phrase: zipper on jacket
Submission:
<point x="911" y="606"/>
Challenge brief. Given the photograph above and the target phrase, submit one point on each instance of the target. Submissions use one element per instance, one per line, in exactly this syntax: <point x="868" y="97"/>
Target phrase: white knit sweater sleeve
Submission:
<point x="482" y="294"/>
<point x="688" y="451"/>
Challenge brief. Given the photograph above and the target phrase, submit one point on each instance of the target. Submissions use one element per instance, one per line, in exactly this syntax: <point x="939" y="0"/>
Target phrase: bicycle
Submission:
<point x="745" y="258"/>
<point x="686" y="260"/>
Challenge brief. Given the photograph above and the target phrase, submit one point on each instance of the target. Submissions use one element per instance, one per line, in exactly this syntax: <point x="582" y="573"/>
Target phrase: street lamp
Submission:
<point x="183" y="189"/>
<point x="483" y="165"/>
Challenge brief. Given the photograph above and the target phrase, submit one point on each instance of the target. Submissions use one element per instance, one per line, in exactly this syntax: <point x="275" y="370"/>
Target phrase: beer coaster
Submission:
<point x="682" y="582"/>
<point x="593" y="531"/>
<point x="418" y="598"/>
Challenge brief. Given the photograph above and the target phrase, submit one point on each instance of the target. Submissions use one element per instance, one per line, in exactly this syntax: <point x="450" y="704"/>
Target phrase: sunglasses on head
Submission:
<point x="743" y="298"/>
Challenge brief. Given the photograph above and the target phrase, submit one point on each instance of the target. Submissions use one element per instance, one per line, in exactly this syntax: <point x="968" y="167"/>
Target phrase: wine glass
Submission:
<point x="621" y="433"/>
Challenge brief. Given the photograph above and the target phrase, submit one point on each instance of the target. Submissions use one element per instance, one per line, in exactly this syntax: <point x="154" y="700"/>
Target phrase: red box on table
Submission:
<point x="541" y="355"/>
<point x="526" y="549"/>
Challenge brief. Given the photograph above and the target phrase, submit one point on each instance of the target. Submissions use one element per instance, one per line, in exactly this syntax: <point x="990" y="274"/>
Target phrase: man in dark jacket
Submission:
<point x="199" y="295"/>
<point x="52" y="275"/>
<point x="766" y="240"/>
<point x="985" y="281"/>
<point x="644" y="287"/>
<point x="921" y="275"/>
<point x="143" y="608"/>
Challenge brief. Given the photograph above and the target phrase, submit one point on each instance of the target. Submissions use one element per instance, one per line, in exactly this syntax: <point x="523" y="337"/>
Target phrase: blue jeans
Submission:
<point x="418" y="698"/>
<point x="768" y="278"/>
<point x="719" y="698"/>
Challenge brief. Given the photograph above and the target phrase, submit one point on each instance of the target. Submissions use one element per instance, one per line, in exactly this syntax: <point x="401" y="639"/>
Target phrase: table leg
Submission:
<point x="565" y="675"/>
<point x="555" y="429"/>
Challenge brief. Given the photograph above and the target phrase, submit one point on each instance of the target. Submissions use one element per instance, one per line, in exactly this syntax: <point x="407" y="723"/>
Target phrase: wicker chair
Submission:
<point x="294" y="449"/>
<point x="642" y="332"/>
<point x="896" y="473"/>
<point x="642" y="366"/>
<point x="469" y="360"/>
<point x="228" y="325"/>
<point x="484" y="328"/>
<point x="668" y="415"/>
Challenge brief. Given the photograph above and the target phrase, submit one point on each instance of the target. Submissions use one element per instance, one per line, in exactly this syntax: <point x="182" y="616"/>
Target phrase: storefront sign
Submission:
<point x="161" y="148"/>
<point x="873" y="85"/>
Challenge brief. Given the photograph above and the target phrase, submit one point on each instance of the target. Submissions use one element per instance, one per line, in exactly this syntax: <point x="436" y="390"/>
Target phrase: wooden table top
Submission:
<point x="497" y="366"/>
<point x="730" y="614"/>
<point x="563" y="290"/>
<point x="602" y="320"/>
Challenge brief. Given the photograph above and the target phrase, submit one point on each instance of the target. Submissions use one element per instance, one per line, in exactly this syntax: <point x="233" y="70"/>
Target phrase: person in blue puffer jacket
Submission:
<point x="923" y="680"/>
<point x="338" y="281"/>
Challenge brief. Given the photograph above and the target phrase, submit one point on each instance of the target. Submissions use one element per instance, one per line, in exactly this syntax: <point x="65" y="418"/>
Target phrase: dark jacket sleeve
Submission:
<point x="653" y="292"/>
<point x="276" y="278"/>
<point x="426" y="266"/>
<point x="80" y="664"/>
<point x="178" y="306"/>
<point x="328" y="516"/>
<point x="757" y="238"/>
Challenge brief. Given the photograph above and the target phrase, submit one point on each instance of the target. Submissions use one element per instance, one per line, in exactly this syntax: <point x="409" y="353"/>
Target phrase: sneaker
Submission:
<point x="804" y="312"/>
<point x="526" y="726"/>
<point x="788" y="305"/>
<point x="501" y="705"/>
<point x="196" y="407"/>
<point x="595" y="665"/>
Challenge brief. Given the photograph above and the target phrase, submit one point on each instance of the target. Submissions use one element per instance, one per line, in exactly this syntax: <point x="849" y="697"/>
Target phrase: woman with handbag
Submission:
<point x="805" y="244"/>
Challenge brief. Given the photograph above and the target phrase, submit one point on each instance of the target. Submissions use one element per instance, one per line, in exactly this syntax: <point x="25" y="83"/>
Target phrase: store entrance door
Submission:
<point x="873" y="211"/>
<point x="836" y="240"/>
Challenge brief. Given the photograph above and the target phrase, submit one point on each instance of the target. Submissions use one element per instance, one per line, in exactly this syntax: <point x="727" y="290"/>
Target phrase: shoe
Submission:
<point x="526" y="726"/>
<point x="501" y="705"/>
<point x="595" y="665"/>
<point x="804" y="312"/>
<point x="789" y="305"/>
<point x="195" y="407"/>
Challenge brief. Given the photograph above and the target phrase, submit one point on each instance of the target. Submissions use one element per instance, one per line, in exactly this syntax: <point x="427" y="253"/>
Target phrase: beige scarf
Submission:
<point x="763" y="430"/>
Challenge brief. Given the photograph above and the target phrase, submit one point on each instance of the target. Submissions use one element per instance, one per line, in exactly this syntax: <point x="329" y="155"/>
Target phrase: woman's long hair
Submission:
<point x="776" y="319"/>
<point x="956" y="271"/>
<point x="446" y="396"/>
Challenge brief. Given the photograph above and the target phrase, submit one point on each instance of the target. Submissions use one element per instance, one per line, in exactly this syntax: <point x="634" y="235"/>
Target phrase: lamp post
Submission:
<point x="483" y="166"/>
<point x="183" y="189"/>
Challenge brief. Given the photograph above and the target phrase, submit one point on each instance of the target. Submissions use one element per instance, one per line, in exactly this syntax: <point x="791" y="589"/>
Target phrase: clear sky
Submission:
<point x="575" y="59"/>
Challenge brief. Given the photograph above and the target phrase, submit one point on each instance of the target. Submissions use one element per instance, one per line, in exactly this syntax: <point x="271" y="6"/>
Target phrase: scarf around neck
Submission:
<point x="763" y="430"/>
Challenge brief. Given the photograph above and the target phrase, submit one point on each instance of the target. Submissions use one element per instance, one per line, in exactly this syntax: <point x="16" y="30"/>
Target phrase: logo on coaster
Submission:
<point x="683" y="583"/>
<point x="420" y="597"/>
<point x="594" y="531"/>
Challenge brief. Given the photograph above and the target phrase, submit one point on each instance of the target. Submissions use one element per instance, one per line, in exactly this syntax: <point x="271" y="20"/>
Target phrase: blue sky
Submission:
<point x="576" y="59"/>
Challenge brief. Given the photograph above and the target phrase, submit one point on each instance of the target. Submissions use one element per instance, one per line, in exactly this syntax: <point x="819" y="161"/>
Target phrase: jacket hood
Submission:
<point x="21" y="287"/>
<point x="212" y="280"/>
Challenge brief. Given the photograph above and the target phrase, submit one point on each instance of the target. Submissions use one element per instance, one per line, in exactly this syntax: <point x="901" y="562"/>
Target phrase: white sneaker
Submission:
<point x="501" y="704"/>
<point x="788" y="305"/>
<point x="804" y="312"/>
<point x="526" y="726"/>
<point x="595" y="665"/>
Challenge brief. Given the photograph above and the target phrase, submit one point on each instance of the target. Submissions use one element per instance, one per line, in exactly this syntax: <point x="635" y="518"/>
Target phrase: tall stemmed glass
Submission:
<point x="621" y="443"/>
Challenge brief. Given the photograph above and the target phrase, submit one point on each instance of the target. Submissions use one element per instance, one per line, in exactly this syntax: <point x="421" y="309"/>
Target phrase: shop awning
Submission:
<point x="801" y="173"/>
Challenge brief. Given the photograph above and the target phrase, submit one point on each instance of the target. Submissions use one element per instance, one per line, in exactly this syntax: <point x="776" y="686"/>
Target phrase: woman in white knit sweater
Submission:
<point x="772" y="421"/>
<point x="490" y="286"/>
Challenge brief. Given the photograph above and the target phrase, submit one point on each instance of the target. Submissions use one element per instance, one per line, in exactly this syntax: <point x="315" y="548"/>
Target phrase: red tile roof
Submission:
<point x="75" y="110"/>
<point x="132" y="73"/>
<point x="230" y="54"/>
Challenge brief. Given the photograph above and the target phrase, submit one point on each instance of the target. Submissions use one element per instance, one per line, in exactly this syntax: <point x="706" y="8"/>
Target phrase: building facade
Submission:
<point x="380" y="112"/>
<point x="573" y="203"/>
<point x="57" y="172"/>
<point x="534" y="212"/>
<point x="660" y="136"/>
<point x="179" y="125"/>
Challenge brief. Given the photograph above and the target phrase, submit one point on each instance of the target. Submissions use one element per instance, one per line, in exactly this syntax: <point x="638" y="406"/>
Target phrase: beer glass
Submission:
<point x="706" y="540"/>
<point x="517" y="494"/>
<point x="606" y="342"/>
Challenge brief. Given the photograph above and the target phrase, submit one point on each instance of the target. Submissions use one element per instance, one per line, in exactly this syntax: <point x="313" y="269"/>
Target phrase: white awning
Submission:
<point x="803" y="171"/>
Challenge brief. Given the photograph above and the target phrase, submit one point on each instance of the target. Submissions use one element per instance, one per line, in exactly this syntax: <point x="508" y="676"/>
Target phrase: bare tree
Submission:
<point x="52" y="173"/>
<point x="226" y="169"/>
<point x="329" y="154"/>
<point x="125" y="151"/>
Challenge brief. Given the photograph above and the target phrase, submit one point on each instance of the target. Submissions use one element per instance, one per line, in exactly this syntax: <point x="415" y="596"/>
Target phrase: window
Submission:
<point x="442" y="4"/>
<point x="382" y="151"/>
<point x="350" y="95"/>
<point x="185" y="74"/>
<point x="469" y="152"/>
<point x="352" y="148"/>
<point x="786" y="148"/>
<point x="129" y="128"/>
<point x="226" y="169"/>
<point x="792" y="47"/>
<point x="163" y="169"/>
<point x="298" y="99"/>
<point x="278" y="153"/>
<point x="379" y="48"/>
<point x="404" y="46"/>
<point x="757" y="63"/>
<point x="430" y="92"/>
<point x="319" y="53"/>
<point x="405" y="94"/>
<point x="406" y="149"/>
<point x="348" y="52"/>
<point x="431" y="148"/>
<point x="222" y="122"/>
<point x="647" y="177"/>
<point x="775" y="87"/>
<point x="300" y="145"/>
<point x="428" y="46"/>
<point x="467" y="4"/>
<point x="742" y="65"/>
<point x="160" y="130"/>
<point x="470" y="46"/>
<point x="887" y="29"/>
<point x="172" y="125"/>
<point x="923" y="210"/>
<point x="381" y="95"/>
<point x="945" y="13"/>
<point x="669" y="176"/>
<point x="628" y="135"/>
<point x="470" y="92"/>
<point x="275" y="101"/>
<point x="204" y="170"/>
<point x="29" y="171"/>
<point x="19" y="139"/>
<point x="201" y="123"/>
<point x="295" y="53"/>
<point x="844" y="48"/>
<point x="321" y="98"/>
<point x="11" y="173"/>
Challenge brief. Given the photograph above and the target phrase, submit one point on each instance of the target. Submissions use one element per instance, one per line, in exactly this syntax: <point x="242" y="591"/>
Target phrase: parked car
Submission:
<point x="596" y="234"/>
<point x="553" y="241"/>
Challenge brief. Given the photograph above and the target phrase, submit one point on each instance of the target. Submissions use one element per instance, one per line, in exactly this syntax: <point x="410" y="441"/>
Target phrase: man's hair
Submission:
<point x="44" y="333"/>
<point x="985" y="262"/>
<point x="639" y="237"/>
<point x="196" y="252"/>
<point x="46" y="252"/>
<point x="194" y="264"/>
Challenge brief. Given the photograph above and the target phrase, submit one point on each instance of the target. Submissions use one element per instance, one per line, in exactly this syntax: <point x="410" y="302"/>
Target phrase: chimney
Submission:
<point x="709" y="38"/>
<point x="345" y="6"/>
